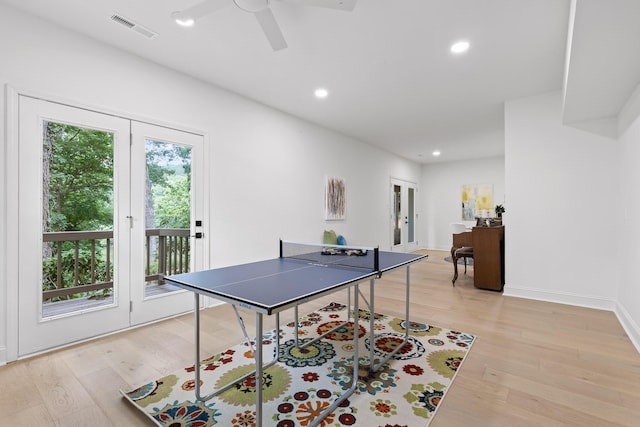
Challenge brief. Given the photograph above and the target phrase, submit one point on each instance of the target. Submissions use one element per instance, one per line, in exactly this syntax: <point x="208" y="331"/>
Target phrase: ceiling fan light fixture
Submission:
<point x="261" y="11"/>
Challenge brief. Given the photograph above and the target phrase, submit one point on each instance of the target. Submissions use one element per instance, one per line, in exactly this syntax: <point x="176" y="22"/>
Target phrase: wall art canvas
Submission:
<point x="335" y="199"/>
<point x="477" y="201"/>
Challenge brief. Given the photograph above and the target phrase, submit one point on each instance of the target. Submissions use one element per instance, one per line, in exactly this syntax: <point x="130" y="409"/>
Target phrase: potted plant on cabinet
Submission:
<point x="499" y="210"/>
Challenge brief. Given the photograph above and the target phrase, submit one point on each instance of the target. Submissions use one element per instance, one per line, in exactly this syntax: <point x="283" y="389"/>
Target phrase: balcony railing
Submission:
<point x="173" y="252"/>
<point x="82" y="261"/>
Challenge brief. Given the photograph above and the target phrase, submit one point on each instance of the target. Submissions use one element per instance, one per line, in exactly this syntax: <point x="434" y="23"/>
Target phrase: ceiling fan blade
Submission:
<point x="201" y="9"/>
<point x="271" y="29"/>
<point x="345" y="5"/>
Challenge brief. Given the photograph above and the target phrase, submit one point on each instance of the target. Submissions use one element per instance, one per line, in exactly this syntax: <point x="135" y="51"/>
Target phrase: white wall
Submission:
<point x="266" y="169"/>
<point x="441" y="188"/>
<point x="563" y="188"/>
<point x="628" y="308"/>
<point x="272" y="176"/>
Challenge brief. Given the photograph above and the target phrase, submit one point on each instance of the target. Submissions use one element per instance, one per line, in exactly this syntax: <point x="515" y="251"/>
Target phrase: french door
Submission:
<point x="106" y="207"/>
<point x="167" y="236"/>
<point x="403" y="197"/>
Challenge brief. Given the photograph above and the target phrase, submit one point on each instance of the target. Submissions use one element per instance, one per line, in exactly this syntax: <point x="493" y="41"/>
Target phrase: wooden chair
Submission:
<point x="461" y="248"/>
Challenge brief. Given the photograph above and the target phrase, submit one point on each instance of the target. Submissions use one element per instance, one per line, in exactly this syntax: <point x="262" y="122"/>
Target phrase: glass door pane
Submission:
<point x="77" y="218"/>
<point x="167" y="214"/>
<point x="397" y="215"/>
<point x="411" y="217"/>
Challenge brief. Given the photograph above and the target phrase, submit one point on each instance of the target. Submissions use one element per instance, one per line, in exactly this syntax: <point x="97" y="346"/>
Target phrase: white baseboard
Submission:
<point x="3" y="356"/>
<point x="561" y="297"/>
<point x="628" y="324"/>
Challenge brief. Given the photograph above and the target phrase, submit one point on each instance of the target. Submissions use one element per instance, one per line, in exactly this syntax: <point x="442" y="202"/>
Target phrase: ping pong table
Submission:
<point x="301" y="273"/>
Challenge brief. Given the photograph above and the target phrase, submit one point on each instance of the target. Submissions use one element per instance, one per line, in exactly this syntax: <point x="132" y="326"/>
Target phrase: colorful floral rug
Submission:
<point x="404" y="392"/>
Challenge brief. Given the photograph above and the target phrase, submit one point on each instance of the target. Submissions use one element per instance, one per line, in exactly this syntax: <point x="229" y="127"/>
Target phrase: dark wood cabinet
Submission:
<point x="488" y="257"/>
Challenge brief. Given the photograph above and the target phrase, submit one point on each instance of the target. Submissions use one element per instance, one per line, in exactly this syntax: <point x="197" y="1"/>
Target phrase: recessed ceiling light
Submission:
<point x="321" y="93"/>
<point x="185" y="22"/>
<point x="460" y="46"/>
<point x="436" y="153"/>
<point x="182" y="20"/>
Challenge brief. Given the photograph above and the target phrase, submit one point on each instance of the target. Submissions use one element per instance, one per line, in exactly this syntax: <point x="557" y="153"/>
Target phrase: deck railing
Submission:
<point x="82" y="261"/>
<point x="172" y="252"/>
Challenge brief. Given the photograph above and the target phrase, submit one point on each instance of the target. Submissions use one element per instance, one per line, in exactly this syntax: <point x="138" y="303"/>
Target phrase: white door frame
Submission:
<point x="9" y="257"/>
<point x="8" y="232"/>
<point x="405" y="187"/>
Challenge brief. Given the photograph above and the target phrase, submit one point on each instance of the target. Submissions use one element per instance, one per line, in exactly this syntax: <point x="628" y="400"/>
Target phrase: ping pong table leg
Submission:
<point x="406" y="300"/>
<point x="296" y="324"/>
<point x="371" y="308"/>
<point x="356" y="367"/>
<point x="374" y="367"/>
<point x="277" y="337"/>
<point x="196" y="329"/>
<point x="372" y="334"/>
<point x="257" y="353"/>
<point x="259" y="368"/>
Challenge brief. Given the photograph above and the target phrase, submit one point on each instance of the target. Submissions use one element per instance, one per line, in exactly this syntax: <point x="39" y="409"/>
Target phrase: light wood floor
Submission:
<point x="533" y="364"/>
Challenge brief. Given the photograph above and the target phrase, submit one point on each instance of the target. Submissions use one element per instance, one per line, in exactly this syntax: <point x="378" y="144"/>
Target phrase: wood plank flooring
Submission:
<point x="533" y="364"/>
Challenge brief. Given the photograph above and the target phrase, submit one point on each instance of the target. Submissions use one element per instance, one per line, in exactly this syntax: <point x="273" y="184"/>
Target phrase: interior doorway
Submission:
<point x="404" y="215"/>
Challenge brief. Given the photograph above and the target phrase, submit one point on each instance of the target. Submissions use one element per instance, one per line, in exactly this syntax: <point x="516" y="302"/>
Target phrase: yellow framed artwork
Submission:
<point x="477" y="201"/>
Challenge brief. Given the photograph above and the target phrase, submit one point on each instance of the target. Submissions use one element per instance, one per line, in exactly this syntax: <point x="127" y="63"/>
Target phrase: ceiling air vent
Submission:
<point x="140" y="29"/>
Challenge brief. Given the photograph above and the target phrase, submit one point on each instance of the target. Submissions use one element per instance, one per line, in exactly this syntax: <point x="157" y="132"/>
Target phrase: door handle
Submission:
<point x="198" y="235"/>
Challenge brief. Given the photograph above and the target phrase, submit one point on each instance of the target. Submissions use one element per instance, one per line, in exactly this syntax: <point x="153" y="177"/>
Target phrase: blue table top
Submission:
<point x="274" y="284"/>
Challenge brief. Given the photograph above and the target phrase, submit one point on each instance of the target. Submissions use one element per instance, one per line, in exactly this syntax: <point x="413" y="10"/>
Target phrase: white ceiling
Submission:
<point x="392" y="80"/>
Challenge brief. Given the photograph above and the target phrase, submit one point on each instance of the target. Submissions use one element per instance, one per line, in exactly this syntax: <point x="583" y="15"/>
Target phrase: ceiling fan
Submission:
<point x="261" y="10"/>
